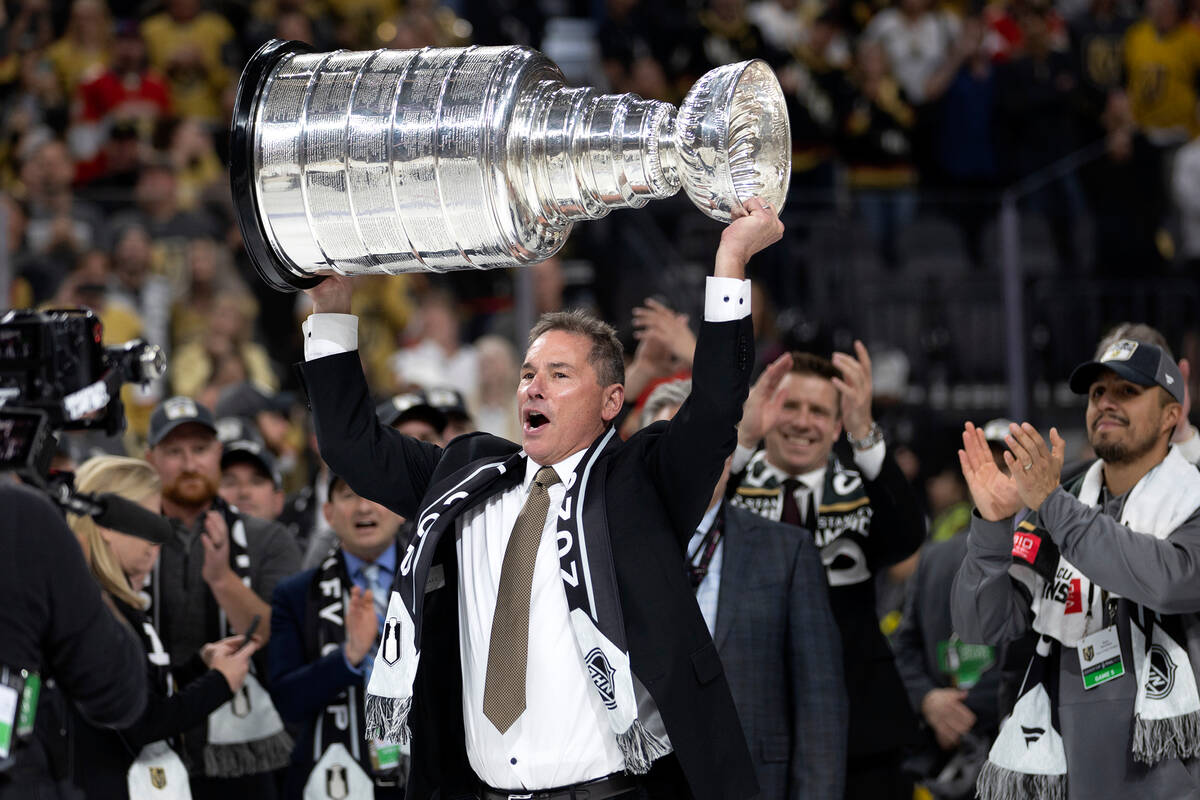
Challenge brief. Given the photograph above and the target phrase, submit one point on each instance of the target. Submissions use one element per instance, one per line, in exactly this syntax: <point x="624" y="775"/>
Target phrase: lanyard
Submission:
<point x="702" y="556"/>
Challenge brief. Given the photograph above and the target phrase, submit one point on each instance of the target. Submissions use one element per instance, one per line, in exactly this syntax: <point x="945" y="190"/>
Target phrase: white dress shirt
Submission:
<point x="564" y="736"/>
<point x="708" y="593"/>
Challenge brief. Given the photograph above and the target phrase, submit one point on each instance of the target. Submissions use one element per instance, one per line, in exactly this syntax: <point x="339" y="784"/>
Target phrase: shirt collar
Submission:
<point x="563" y="469"/>
<point x="386" y="562"/>
<point x="811" y="479"/>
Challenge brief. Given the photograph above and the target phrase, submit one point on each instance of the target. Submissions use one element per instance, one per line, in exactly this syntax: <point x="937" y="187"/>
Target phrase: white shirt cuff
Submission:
<point x="329" y="334"/>
<point x="726" y="299"/>
<point x="870" y="461"/>
<point x="741" y="457"/>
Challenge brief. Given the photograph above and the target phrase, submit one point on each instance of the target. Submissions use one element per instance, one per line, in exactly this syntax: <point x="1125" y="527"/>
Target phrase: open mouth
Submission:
<point x="366" y="524"/>
<point x="535" y="420"/>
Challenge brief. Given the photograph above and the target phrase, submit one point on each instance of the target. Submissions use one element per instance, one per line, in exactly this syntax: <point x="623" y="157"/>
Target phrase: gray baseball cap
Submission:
<point x="1137" y="362"/>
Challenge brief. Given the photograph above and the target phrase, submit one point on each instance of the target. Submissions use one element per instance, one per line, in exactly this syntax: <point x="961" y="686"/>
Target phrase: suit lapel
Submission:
<point x="733" y="575"/>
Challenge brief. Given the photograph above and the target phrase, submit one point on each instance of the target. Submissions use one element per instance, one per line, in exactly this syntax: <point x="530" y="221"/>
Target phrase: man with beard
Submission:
<point x="213" y="580"/>
<point x="1103" y="572"/>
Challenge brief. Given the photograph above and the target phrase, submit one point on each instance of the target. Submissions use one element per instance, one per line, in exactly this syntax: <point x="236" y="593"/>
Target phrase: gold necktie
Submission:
<point x="508" y="650"/>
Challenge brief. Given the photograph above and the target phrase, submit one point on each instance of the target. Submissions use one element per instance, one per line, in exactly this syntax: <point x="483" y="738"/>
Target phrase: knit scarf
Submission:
<point x="588" y="579"/>
<point x="843" y="518"/>
<point x="1067" y="607"/>
<point x="245" y="735"/>
<point x="342" y="764"/>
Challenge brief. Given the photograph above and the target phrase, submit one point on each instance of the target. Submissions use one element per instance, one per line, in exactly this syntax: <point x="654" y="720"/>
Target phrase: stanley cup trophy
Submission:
<point x="397" y="161"/>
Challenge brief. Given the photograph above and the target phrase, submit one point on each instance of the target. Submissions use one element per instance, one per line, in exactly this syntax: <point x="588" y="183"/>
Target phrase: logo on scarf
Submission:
<point x="240" y="704"/>
<point x="391" y="641"/>
<point x="336" y="785"/>
<point x="602" y="676"/>
<point x="1162" y="673"/>
<point x="1032" y="734"/>
<point x="158" y="777"/>
<point x="1025" y="546"/>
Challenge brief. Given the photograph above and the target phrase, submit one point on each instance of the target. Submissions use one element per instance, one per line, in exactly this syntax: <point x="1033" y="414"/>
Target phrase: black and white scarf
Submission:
<point x="341" y="763"/>
<point x="843" y="518"/>
<point x="245" y="736"/>
<point x="1067" y="607"/>
<point x="588" y="579"/>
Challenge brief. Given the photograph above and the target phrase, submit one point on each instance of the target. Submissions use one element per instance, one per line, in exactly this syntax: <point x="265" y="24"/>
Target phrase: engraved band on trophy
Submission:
<point x="394" y="161"/>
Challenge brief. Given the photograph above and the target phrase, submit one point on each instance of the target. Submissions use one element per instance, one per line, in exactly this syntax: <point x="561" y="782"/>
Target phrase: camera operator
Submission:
<point x="54" y="627"/>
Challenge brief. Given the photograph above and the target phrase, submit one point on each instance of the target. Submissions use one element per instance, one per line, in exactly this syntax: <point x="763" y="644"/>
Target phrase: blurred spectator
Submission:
<point x="225" y="355"/>
<point x="159" y="210"/>
<point x="495" y="404"/>
<point x="198" y="170"/>
<point x="876" y="133"/>
<point x="964" y="145"/>
<point x="727" y="35"/>
<point x="1162" y="61"/>
<point x="193" y="48"/>
<point x="1035" y="92"/>
<point x="268" y="415"/>
<point x="1187" y="196"/>
<point x="632" y="39"/>
<point x="1126" y="191"/>
<point x="249" y="480"/>
<point x="814" y="83"/>
<point x="1097" y="46"/>
<point x="1005" y="37"/>
<point x="439" y="356"/>
<point x="109" y="174"/>
<point x="917" y="39"/>
<point x="60" y="224"/>
<point x="203" y="273"/>
<point x="87" y="287"/>
<point x="413" y="415"/>
<point x="783" y="23"/>
<point x="135" y="282"/>
<point x="267" y="17"/>
<point x="83" y="51"/>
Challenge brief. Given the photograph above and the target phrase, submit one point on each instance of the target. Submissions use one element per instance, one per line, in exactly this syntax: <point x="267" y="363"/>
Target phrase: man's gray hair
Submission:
<point x="671" y="393"/>
<point x="606" y="356"/>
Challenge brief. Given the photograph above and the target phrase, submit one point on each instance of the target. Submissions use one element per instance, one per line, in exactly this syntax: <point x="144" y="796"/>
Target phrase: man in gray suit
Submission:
<point x="761" y="588"/>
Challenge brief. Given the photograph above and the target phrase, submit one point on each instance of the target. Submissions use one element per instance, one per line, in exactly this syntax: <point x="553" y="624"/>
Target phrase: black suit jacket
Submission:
<point x="782" y="652"/>
<point x="658" y="485"/>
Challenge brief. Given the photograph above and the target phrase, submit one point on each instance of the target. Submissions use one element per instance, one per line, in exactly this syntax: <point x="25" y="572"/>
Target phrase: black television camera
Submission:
<point x="56" y="375"/>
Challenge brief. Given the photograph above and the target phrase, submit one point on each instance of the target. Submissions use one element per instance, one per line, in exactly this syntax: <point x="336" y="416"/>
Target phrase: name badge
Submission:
<point x="9" y="701"/>
<point x="385" y="756"/>
<point x="1100" y="657"/>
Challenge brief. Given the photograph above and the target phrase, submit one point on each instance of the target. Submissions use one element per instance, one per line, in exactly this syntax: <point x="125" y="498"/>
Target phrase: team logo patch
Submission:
<point x="1025" y="546"/>
<point x="1162" y="673"/>
<point x="1120" y="351"/>
<point x="180" y="408"/>
<point x="1032" y="734"/>
<point x="391" y="641"/>
<point x="158" y="777"/>
<point x="602" y="675"/>
<point x="1089" y="653"/>
<point x="337" y="786"/>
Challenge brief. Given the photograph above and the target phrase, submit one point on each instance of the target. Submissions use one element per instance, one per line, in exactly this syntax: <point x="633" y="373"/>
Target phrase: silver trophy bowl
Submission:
<point x="395" y="161"/>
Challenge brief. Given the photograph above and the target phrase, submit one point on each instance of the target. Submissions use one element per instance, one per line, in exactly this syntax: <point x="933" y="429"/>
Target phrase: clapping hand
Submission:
<point x="855" y="389"/>
<point x="361" y="625"/>
<point x="665" y="333"/>
<point x="764" y="405"/>
<point x="215" y="539"/>
<point x="1036" y="471"/>
<point x="994" y="494"/>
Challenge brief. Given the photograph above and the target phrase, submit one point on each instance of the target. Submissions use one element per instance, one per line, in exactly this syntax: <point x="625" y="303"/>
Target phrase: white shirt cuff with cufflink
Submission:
<point x="329" y="334"/>
<point x="726" y="299"/>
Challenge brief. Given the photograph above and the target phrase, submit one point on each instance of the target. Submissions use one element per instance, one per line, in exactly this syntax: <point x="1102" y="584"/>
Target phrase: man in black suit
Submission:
<point x="862" y="518"/>
<point x="602" y="682"/>
<point x="761" y="588"/>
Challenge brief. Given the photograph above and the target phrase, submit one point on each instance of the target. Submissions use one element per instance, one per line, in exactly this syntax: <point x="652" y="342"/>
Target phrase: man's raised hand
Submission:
<point x="1036" y="470"/>
<point x="361" y="625"/>
<point x="332" y="295"/>
<point x="995" y="494"/>
<point x="745" y="236"/>
<point x="855" y="389"/>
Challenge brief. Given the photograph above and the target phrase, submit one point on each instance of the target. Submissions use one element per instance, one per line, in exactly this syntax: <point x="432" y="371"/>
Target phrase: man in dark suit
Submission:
<point x="558" y="721"/>
<point x="324" y="624"/>
<point x="863" y="518"/>
<point x="761" y="588"/>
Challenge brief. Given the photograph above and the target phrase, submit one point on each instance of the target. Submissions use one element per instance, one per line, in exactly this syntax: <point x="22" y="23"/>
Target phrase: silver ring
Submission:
<point x="1027" y="467"/>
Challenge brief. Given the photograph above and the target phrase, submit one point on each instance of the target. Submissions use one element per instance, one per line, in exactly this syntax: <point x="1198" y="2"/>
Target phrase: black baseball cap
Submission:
<point x="414" y="405"/>
<point x="248" y="451"/>
<point x="1137" y="362"/>
<point x="449" y="401"/>
<point x="176" y="411"/>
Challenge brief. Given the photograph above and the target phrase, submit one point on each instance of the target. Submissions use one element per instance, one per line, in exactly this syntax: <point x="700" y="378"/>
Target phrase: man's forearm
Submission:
<point x="985" y="605"/>
<point x="241" y="605"/>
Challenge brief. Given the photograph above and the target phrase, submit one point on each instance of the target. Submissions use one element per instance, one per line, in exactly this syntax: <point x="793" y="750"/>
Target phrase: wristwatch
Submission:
<point x="874" y="436"/>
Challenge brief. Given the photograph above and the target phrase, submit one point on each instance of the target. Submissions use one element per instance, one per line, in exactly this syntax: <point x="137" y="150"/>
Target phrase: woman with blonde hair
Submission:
<point x="130" y="763"/>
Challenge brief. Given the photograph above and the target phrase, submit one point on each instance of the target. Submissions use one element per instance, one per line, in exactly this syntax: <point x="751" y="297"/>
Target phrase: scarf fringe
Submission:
<point x="998" y="783"/>
<point x="639" y="747"/>
<point x="248" y="758"/>
<point x="387" y="718"/>
<point x="1174" y="737"/>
